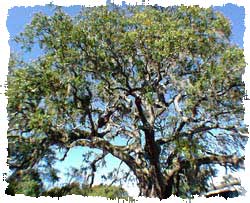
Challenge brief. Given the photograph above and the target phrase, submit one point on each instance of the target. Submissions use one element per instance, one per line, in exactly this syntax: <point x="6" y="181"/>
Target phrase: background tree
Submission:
<point x="97" y="190"/>
<point x="27" y="183"/>
<point x="31" y="185"/>
<point x="166" y="81"/>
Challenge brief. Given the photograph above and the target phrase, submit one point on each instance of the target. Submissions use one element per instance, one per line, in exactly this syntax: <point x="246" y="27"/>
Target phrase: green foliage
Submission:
<point x="28" y="184"/>
<point x="122" y="70"/>
<point x="189" y="34"/>
<point x="73" y="188"/>
<point x="111" y="192"/>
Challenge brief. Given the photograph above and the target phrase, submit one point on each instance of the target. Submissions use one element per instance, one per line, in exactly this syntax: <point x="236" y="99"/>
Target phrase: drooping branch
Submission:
<point x="93" y="167"/>
<point x="104" y="145"/>
<point x="228" y="186"/>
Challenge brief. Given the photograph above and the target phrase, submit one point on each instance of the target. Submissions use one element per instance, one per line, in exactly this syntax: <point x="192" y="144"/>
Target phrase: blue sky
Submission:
<point x="20" y="16"/>
<point x="236" y="15"/>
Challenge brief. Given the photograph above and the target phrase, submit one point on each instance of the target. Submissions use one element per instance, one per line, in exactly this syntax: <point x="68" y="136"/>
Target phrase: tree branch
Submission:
<point x="102" y="144"/>
<point x="234" y="160"/>
<point x="93" y="168"/>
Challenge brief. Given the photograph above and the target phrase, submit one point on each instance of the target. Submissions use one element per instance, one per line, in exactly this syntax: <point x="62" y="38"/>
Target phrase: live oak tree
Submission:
<point x="165" y="81"/>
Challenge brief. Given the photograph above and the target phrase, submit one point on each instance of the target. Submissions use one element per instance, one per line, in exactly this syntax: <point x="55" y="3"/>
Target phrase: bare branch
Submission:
<point x="93" y="167"/>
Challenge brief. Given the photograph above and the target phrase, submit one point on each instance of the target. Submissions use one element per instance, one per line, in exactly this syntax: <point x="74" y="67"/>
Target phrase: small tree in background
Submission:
<point x="28" y="184"/>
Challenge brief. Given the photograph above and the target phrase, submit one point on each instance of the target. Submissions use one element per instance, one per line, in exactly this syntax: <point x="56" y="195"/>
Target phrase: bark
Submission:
<point x="154" y="185"/>
<point x="151" y="186"/>
<point x="159" y="185"/>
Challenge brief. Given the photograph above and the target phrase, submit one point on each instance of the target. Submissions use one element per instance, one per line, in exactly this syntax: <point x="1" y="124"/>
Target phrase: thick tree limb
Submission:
<point x="107" y="146"/>
<point x="222" y="160"/>
<point x="224" y="187"/>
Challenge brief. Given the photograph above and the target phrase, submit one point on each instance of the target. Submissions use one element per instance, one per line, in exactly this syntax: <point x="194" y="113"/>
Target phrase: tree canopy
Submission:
<point x="164" y="81"/>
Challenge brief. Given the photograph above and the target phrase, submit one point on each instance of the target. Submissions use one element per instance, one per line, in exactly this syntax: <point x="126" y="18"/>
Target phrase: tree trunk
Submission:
<point x="150" y="186"/>
<point x="153" y="184"/>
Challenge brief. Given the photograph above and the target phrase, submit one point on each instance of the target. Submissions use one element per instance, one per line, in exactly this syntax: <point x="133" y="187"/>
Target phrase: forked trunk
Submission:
<point x="151" y="186"/>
